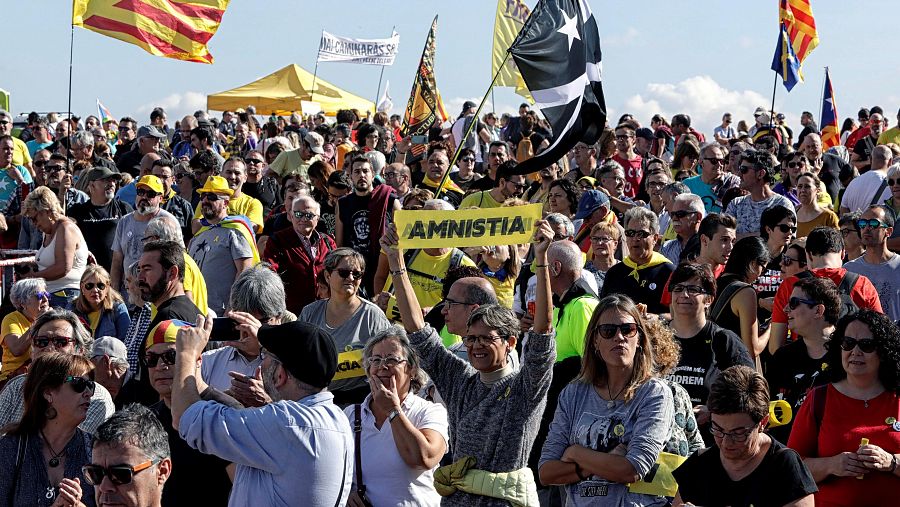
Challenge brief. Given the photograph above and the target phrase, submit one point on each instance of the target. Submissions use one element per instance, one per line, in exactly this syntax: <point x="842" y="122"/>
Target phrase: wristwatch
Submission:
<point x="393" y="413"/>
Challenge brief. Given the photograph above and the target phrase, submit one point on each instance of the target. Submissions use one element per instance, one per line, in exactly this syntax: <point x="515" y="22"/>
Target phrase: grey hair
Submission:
<point x="496" y="317"/>
<point x="568" y="254"/>
<point x="306" y="198"/>
<point x="417" y="377"/>
<point x="610" y="166"/>
<point x="693" y="201"/>
<point x="438" y="205"/>
<point x="893" y="170"/>
<point x="82" y="138"/>
<point x="676" y="188"/>
<point x="24" y="289"/>
<point x="713" y="145"/>
<point x="556" y="219"/>
<point x="134" y="425"/>
<point x="120" y="365"/>
<point x="259" y="291"/>
<point x="83" y="339"/>
<point x="335" y="256"/>
<point x="165" y="228"/>
<point x="133" y="269"/>
<point x="644" y="215"/>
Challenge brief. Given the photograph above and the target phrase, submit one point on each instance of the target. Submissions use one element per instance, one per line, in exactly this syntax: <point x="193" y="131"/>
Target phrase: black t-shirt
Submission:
<point x="704" y="356"/>
<point x="267" y="191"/>
<point x="766" y="286"/>
<point x="98" y="226"/>
<point x="792" y="374"/>
<point x="647" y="289"/>
<point x="482" y="184"/>
<point x="834" y="171"/>
<point x="780" y="478"/>
<point x="179" y="307"/>
<point x="864" y="148"/>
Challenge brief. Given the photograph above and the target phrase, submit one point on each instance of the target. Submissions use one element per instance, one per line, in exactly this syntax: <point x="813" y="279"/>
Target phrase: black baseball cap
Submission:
<point x="307" y="352"/>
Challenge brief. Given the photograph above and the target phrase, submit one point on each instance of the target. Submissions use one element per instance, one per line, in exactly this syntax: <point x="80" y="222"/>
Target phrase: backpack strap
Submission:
<point x="725" y="298"/>
<point x="848" y="282"/>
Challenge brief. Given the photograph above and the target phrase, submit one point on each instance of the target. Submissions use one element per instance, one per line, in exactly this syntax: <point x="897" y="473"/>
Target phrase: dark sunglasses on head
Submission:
<point x="345" y="273"/>
<point x="118" y="474"/>
<point x="210" y="197"/>
<point x="794" y="302"/>
<point x="79" y="384"/>
<point x="58" y="341"/>
<point x="143" y="192"/>
<point x="866" y="345"/>
<point x="91" y="285"/>
<point x="681" y="213"/>
<point x="304" y="215"/>
<point x="631" y="233"/>
<point x="785" y="228"/>
<point x="608" y="331"/>
<point x="874" y="223"/>
<point x="152" y="358"/>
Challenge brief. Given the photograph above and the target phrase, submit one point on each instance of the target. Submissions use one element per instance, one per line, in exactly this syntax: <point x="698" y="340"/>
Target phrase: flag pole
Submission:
<point x="71" y="58"/>
<point x="468" y="131"/>
<point x="822" y="98"/>
<point x="312" y="93"/>
<point x="377" y="93"/>
<point x="772" y="109"/>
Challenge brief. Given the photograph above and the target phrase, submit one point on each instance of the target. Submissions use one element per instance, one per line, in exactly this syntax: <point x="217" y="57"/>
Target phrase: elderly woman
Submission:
<point x="494" y="409"/>
<point x="745" y="466"/>
<point x="614" y="419"/>
<point x="63" y="254"/>
<point x="31" y="299"/>
<point x="847" y="431"/>
<point x="100" y="306"/>
<point x="56" y="331"/>
<point x="605" y="239"/>
<point x="41" y="456"/>
<point x="397" y="466"/>
<point x="348" y="318"/>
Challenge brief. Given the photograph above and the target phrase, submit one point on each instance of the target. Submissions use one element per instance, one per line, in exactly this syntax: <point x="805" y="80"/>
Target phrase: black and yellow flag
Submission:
<point x="425" y="107"/>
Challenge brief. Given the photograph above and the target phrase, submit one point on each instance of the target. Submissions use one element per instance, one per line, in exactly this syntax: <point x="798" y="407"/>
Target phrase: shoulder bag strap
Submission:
<point x="876" y="199"/>
<point x="20" y="458"/>
<point x="357" y="457"/>
<point x="724" y="299"/>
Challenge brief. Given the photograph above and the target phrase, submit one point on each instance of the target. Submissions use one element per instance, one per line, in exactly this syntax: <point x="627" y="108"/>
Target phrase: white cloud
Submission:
<point x="177" y="105"/>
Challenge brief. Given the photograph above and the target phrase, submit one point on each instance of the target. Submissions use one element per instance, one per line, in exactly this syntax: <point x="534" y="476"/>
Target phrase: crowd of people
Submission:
<point x="219" y="311"/>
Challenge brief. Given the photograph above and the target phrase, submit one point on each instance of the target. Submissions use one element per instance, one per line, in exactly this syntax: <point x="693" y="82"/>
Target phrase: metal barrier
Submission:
<point x="8" y="259"/>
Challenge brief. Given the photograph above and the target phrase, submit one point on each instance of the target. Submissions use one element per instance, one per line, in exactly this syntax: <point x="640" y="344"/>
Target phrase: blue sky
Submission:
<point x="702" y="57"/>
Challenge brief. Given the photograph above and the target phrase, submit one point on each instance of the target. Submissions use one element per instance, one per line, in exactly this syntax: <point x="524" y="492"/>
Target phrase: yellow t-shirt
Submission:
<point x="14" y="323"/>
<point x="245" y="205"/>
<point x="479" y="200"/>
<point x="289" y="162"/>
<point x="427" y="290"/>
<point x="891" y="135"/>
<point x="20" y="152"/>
<point x="504" y="290"/>
<point x="195" y="283"/>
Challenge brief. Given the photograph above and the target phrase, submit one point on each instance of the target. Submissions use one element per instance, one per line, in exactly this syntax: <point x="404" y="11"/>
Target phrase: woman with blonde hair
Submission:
<point x="605" y="239"/>
<point x="100" y="306"/>
<point x="614" y="419"/>
<point x="63" y="254"/>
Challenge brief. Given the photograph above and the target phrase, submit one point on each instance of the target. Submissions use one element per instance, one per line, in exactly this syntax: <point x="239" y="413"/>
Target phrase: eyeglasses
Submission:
<point x="738" y="436"/>
<point x="304" y="215"/>
<point x="788" y="260"/>
<point x="38" y="163"/>
<point x="631" y="233"/>
<point x="451" y="302"/>
<point x="390" y="175"/>
<point x="118" y="474"/>
<point x="143" y="192"/>
<point x="690" y="290"/>
<point x="622" y="138"/>
<point x="716" y="161"/>
<point x="152" y="358"/>
<point x="210" y="197"/>
<point x="866" y="345"/>
<point x="785" y="228"/>
<point x="59" y="342"/>
<point x="42" y="295"/>
<point x="847" y="232"/>
<point x="4" y="122"/>
<point x="794" y="302"/>
<point x="681" y="214"/>
<point x="484" y="340"/>
<point x="53" y="168"/>
<point x="346" y="273"/>
<point x="608" y="331"/>
<point x="602" y="239"/>
<point x="79" y="384"/>
<point x="124" y="129"/>
<point x="389" y="361"/>
<point x="655" y="184"/>
<point x="98" y="285"/>
<point x="468" y="159"/>
<point x="874" y="223"/>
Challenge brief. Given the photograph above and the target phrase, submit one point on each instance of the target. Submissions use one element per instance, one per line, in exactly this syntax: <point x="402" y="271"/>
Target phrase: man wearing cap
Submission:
<point x="148" y="141"/>
<point x="221" y="252"/>
<point x="128" y="241"/>
<point x="110" y="358"/>
<point x="509" y="185"/>
<point x="643" y="143"/>
<point x="234" y="171"/>
<point x="178" y="206"/>
<point x="298" y="161"/>
<point x="297" y="450"/>
<point x="20" y="156"/>
<point x="593" y="207"/>
<point x="98" y="217"/>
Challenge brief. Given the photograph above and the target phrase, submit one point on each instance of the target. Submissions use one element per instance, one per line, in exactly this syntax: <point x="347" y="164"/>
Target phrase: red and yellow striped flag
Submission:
<point x="798" y="19"/>
<point x="176" y="29"/>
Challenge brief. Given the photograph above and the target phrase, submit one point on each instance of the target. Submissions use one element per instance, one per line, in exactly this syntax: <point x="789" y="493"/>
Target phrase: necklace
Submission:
<point x="612" y="399"/>
<point x="54" y="460"/>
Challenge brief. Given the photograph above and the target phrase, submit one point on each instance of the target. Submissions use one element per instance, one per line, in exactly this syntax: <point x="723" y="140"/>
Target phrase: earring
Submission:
<point x="50" y="413"/>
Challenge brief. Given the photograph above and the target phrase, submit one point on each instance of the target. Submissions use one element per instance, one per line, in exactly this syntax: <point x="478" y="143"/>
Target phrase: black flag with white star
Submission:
<point x="558" y="54"/>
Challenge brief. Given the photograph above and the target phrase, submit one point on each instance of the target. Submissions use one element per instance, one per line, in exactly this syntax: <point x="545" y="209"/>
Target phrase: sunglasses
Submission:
<point x="53" y="168"/>
<point x="891" y="181"/>
<point x="304" y="215"/>
<point x="143" y="192"/>
<point x="746" y="168"/>
<point x="794" y="302"/>
<point x="91" y="285"/>
<point x="787" y="261"/>
<point x="346" y="273"/>
<point x="796" y="164"/>
<point x="468" y="159"/>
<point x="59" y="342"/>
<point x="255" y="161"/>
<point x="38" y="163"/>
<point x="118" y="474"/>
<point x="79" y="384"/>
<point x="785" y="228"/>
<point x="866" y="345"/>
<point x="714" y="160"/>
<point x="681" y="213"/>
<point x="608" y="331"/>
<point x="152" y="358"/>
<point x="631" y="233"/>
<point x="210" y="197"/>
<point x="42" y="295"/>
<point x="874" y="223"/>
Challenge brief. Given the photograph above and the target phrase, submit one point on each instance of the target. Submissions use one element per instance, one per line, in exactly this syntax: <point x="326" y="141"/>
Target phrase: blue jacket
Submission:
<point x="113" y="322"/>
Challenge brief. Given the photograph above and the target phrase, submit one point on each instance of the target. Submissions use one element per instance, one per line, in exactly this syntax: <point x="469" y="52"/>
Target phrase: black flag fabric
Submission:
<point x="558" y="54"/>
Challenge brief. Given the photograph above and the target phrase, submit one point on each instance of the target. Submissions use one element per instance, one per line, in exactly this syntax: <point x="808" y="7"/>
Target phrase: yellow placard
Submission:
<point x="511" y="225"/>
<point x="349" y="365"/>
<point x="659" y="481"/>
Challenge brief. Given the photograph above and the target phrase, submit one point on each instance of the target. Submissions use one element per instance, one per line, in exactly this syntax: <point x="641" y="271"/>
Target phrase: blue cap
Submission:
<point x="590" y="202"/>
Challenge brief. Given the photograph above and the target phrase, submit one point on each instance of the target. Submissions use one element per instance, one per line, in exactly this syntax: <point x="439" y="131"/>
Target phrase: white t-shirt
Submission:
<point x="458" y="135"/>
<point x="859" y="193"/>
<point x="727" y="132"/>
<point x="749" y="212"/>
<point x="388" y="479"/>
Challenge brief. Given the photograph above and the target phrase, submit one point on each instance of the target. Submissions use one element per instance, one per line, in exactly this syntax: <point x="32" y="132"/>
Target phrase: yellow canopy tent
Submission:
<point x="282" y="91"/>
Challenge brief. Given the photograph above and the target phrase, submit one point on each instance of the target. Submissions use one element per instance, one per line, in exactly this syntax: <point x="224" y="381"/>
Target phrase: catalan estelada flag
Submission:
<point x="798" y="20"/>
<point x="831" y="135"/>
<point x="171" y="28"/>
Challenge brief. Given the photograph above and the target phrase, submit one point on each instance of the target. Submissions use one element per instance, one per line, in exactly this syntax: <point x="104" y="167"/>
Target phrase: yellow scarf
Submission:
<point x="655" y="260"/>
<point x="448" y="184"/>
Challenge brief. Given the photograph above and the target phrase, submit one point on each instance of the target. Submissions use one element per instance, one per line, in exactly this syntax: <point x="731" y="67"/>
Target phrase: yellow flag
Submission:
<point x="511" y="16"/>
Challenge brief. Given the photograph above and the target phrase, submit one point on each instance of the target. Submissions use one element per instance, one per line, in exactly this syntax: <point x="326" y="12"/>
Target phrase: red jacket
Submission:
<point x="298" y="271"/>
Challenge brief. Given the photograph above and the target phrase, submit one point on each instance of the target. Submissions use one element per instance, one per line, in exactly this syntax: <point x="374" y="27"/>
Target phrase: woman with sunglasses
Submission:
<point x="745" y="466"/>
<point x="63" y="254"/>
<point x="100" y="306"/>
<point x="848" y="431"/>
<point x="31" y="299"/>
<point x="812" y="213"/>
<point x="350" y="319"/>
<point x="612" y="422"/>
<point x="41" y="456"/>
<point x="791" y="168"/>
<point x="777" y="226"/>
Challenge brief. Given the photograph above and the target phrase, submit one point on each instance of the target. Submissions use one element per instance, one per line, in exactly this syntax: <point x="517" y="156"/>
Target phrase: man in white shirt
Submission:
<point x="861" y="192"/>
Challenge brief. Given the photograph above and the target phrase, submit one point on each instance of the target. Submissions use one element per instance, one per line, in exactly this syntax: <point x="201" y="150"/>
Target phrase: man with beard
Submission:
<point x="713" y="181"/>
<point x="509" y="185"/>
<point x="361" y="216"/>
<point x="97" y="218"/>
<point x="128" y="242"/>
<point x="437" y="165"/>
<point x="234" y="171"/>
<point x="221" y="252"/>
<point x="178" y="206"/>
<point x="302" y="431"/>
